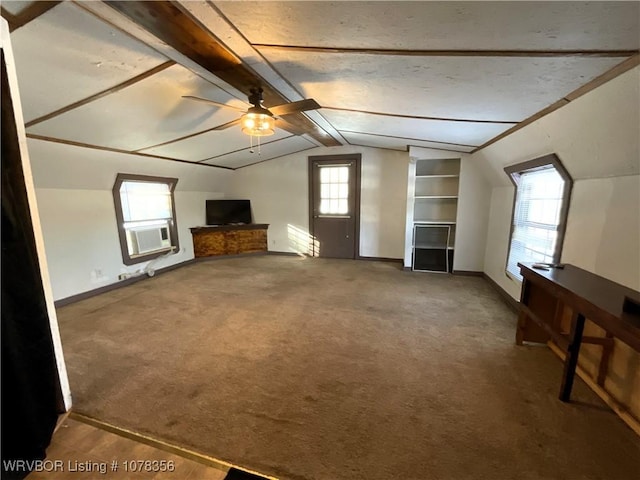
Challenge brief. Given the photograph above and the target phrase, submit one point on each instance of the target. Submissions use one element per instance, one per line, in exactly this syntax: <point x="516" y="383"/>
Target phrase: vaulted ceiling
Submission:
<point x="448" y="75"/>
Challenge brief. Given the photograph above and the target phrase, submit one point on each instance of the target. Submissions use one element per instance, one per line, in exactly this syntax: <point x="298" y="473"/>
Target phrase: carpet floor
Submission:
<point x="316" y="369"/>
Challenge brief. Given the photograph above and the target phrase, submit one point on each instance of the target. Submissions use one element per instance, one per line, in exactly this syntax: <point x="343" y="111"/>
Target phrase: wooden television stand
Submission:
<point x="219" y="240"/>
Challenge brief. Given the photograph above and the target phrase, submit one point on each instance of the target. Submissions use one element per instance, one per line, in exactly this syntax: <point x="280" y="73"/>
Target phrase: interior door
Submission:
<point x="334" y="205"/>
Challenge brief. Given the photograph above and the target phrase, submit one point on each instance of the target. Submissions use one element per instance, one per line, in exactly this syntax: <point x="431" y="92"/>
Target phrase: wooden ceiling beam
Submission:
<point x="73" y="143"/>
<point x="409" y="138"/>
<point x="244" y="149"/>
<point x="451" y="53"/>
<point x="108" y="91"/>
<point x="30" y="13"/>
<point x="586" y="88"/>
<point x="417" y="117"/>
<point x="11" y="19"/>
<point x="170" y="23"/>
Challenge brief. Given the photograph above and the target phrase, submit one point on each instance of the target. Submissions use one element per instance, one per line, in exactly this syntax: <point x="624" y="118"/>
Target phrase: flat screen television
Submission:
<point x="228" y="212"/>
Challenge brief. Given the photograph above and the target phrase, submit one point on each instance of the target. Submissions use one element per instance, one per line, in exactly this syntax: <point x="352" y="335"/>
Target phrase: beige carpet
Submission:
<point x="310" y="369"/>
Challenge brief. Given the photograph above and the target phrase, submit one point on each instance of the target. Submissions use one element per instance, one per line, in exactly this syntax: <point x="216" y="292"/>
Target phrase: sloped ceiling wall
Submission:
<point x="595" y="136"/>
<point x="447" y="75"/>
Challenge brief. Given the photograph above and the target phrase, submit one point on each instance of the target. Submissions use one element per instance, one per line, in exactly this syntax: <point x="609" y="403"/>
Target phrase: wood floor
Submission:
<point x="81" y="451"/>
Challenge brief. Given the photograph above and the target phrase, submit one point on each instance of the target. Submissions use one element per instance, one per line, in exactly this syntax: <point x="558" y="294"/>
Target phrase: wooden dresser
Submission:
<point x="229" y="239"/>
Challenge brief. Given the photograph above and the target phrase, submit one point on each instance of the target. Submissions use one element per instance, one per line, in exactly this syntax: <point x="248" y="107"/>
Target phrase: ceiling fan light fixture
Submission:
<point x="258" y="122"/>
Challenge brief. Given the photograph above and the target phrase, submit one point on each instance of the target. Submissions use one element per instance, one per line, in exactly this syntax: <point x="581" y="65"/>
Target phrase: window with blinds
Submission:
<point x="539" y="215"/>
<point x="145" y="202"/>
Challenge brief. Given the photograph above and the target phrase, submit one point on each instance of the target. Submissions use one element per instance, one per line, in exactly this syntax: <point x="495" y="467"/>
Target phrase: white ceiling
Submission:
<point x="423" y="25"/>
<point x="446" y="75"/>
<point x="122" y="119"/>
<point x="67" y="55"/>
<point x="478" y="88"/>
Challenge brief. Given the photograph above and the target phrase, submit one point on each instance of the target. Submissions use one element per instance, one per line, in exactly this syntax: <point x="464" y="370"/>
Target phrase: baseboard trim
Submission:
<point x="380" y="259"/>
<point x="509" y="300"/>
<point x="162" y="445"/>
<point x="224" y="257"/>
<point x="366" y="259"/>
<point x="288" y="254"/>
<point x="114" y="286"/>
<point x="606" y="397"/>
<point x="468" y="273"/>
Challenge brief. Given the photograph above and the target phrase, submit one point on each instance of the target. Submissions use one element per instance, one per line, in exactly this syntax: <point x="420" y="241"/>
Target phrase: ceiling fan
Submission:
<point x="259" y="121"/>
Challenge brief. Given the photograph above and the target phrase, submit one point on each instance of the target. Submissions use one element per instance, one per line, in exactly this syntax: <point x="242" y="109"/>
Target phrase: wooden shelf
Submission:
<point x="442" y="175"/>
<point x="432" y="246"/>
<point x="446" y="197"/>
<point x="434" y="222"/>
<point x="435" y="208"/>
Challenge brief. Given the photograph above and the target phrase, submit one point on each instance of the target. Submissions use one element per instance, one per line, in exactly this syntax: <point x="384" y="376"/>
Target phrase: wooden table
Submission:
<point x="547" y="295"/>
<point x="212" y="241"/>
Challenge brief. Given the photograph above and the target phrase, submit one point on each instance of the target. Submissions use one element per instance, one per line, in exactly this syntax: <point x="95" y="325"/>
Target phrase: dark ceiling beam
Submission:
<point x="11" y="19"/>
<point x="115" y="150"/>
<point x="262" y="144"/>
<point x="417" y="117"/>
<point x="409" y="138"/>
<point x="452" y="53"/>
<point x="28" y="14"/>
<point x="223" y="126"/>
<point x="170" y="23"/>
<point x="280" y="123"/>
<point x="610" y="74"/>
<point x="101" y="94"/>
<point x="279" y="156"/>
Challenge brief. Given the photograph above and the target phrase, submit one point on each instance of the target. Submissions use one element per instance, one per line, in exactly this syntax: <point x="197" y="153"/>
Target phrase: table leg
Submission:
<point x="570" y="362"/>
<point x="522" y="317"/>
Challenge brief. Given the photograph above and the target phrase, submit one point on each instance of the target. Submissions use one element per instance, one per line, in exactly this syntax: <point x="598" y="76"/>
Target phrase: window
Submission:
<point x="543" y="189"/>
<point x="146" y="216"/>
<point x="334" y="190"/>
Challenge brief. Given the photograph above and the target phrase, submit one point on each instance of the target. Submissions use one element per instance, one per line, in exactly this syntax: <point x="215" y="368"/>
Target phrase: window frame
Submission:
<point x="127" y="259"/>
<point x="514" y="172"/>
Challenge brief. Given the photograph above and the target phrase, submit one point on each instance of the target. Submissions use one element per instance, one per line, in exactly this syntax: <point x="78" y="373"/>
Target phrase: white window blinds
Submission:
<point x="536" y="219"/>
<point x="145" y="201"/>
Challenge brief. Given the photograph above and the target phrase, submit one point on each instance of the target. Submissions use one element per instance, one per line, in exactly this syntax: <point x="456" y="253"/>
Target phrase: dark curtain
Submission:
<point x="30" y="389"/>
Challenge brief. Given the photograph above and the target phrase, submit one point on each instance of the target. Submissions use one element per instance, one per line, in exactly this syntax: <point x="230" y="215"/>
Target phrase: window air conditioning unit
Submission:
<point x="149" y="239"/>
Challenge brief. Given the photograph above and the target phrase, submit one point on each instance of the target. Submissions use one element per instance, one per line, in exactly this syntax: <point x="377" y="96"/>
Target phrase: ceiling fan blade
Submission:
<point x="212" y="102"/>
<point x="295" y="107"/>
<point x="289" y="127"/>
<point x="230" y="124"/>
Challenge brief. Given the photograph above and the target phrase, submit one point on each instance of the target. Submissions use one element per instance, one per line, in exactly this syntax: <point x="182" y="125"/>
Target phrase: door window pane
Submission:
<point x="334" y="190"/>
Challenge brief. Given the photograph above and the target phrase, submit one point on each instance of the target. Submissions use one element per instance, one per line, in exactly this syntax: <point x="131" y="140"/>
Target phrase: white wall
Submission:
<point x="596" y="137"/>
<point x="603" y="229"/>
<point x="279" y="194"/>
<point x="499" y="226"/>
<point x="73" y="189"/>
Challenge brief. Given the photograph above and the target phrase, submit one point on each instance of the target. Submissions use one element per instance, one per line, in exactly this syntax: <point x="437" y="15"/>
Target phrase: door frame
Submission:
<point x="347" y="157"/>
